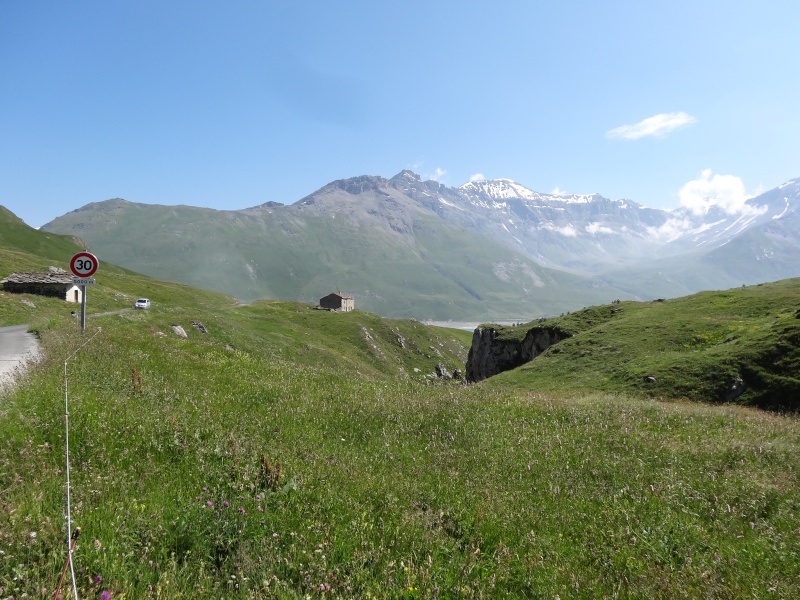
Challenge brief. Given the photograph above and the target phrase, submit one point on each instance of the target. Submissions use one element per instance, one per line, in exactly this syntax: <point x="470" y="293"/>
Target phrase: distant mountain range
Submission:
<point x="487" y="250"/>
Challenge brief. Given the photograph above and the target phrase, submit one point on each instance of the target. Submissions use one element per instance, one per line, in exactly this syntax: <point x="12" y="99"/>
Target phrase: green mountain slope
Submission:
<point x="23" y="248"/>
<point x="393" y="256"/>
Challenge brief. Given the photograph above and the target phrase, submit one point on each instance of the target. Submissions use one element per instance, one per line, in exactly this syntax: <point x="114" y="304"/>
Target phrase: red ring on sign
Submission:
<point x="83" y="264"/>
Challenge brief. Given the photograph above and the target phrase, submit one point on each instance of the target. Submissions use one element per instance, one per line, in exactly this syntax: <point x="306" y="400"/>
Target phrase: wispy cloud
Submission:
<point x="438" y="174"/>
<point x="557" y="191"/>
<point x="598" y="228"/>
<point x="672" y="229"/>
<point x="656" y="126"/>
<point x="477" y="177"/>
<point x="566" y="230"/>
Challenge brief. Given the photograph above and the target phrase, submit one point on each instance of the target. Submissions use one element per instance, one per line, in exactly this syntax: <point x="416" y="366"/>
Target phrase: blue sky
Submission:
<point x="232" y="104"/>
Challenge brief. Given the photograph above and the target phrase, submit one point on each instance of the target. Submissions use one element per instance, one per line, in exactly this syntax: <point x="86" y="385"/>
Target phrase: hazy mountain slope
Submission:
<point x="586" y="233"/>
<point x="759" y="244"/>
<point x="359" y="236"/>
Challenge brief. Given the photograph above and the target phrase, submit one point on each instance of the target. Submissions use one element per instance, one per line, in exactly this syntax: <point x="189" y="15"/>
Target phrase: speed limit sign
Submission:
<point x="83" y="264"/>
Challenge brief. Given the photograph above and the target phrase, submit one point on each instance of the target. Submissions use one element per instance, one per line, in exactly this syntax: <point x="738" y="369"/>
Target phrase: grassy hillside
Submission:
<point x="398" y="262"/>
<point x="17" y="237"/>
<point x="694" y="347"/>
<point x="295" y="453"/>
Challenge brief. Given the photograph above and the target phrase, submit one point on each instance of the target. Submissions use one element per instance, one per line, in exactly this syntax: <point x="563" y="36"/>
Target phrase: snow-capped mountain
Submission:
<point x="404" y="246"/>
<point x="574" y="232"/>
<point x="587" y="234"/>
<point x="591" y="233"/>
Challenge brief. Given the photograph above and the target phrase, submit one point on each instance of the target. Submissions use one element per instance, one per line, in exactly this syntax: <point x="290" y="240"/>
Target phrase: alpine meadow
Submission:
<point x="273" y="450"/>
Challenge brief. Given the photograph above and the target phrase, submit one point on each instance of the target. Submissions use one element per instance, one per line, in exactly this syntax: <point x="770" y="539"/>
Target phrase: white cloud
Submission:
<point x="559" y="192"/>
<point x="566" y="230"/>
<point x="477" y="177"/>
<point x="438" y="174"/>
<point x="597" y="228"/>
<point x="657" y="126"/>
<point x="672" y="229"/>
<point x="725" y="191"/>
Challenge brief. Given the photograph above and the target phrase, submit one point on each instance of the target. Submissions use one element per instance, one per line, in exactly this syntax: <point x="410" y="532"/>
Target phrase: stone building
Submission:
<point x="337" y="301"/>
<point x="53" y="285"/>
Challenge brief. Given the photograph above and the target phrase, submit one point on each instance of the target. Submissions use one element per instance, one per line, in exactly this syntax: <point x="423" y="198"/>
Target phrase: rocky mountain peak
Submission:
<point x="406" y="176"/>
<point x="497" y="189"/>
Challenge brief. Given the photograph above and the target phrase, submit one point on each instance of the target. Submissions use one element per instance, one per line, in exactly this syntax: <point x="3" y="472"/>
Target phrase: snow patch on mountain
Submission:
<point x="450" y="204"/>
<point x="497" y="189"/>
<point x="785" y="210"/>
<point x="506" y="189"/>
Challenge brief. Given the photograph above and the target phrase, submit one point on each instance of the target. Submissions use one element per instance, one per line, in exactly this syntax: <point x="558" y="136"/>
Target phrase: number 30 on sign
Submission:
<point x="83" y="264"/>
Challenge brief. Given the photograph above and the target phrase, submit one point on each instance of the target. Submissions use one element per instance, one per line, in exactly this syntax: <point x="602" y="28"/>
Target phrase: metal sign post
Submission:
<point x="83" y="309"/>
<point x="83" y="265"/>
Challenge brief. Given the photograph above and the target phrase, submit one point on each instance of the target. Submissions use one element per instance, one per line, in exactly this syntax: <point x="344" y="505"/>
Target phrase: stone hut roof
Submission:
<point x="59" y="278"/>
<point x="340" y="295"/>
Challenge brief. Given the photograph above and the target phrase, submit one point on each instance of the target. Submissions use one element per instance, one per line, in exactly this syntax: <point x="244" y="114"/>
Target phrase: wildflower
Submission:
<point x="105" y="595"/>
<point x="205" y="489"/>
<point x="209" y="503"/>
<point x="225" y="503"/>
<point x="98" y="578"/>
<point x="33" y="535"/>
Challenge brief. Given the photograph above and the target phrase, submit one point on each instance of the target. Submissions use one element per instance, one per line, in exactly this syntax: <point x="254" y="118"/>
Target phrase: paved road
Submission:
<point x="16" y="347"/>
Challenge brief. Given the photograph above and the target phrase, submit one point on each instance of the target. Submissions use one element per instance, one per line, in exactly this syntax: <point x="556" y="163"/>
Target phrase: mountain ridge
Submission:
<point x="477" y="247"/>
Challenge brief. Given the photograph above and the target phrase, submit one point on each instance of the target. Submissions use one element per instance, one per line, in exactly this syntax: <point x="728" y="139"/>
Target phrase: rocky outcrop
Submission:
<point x="491" y="354"/>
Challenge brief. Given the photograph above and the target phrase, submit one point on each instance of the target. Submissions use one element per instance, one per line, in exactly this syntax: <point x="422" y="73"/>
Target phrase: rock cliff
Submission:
<point x="491" y="353"/>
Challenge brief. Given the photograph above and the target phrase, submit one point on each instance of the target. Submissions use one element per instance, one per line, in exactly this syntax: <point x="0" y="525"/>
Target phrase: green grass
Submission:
<point x="296" y="453"/>
<point x="390" y="485"/>
<point x="695" y="347"/>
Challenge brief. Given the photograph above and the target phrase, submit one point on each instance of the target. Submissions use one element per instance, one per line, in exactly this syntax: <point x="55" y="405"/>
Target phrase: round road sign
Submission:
<point x="83" y="264"/>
